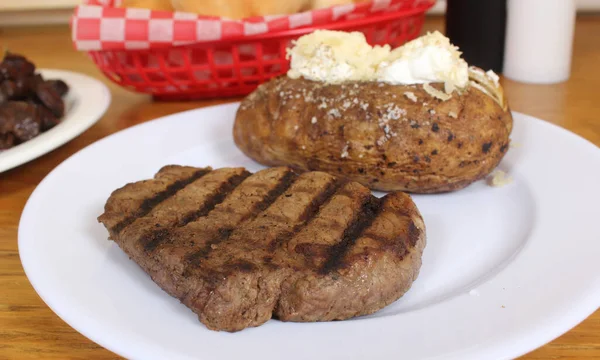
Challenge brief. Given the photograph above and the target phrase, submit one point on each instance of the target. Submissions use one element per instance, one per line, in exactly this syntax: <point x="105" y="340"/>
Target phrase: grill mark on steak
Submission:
<point x="284" y="183"/>
<point x="397" y="247"/>
<point x="282" y="186"/>
<point x="308" y="248"/>
<point x="414" y="233"/>
<point x="309" y="213"/>
<point x="241" y="266"/>
<point x="215" y="199"/>
<point x="152" y="239"/>
<point x="193" y="259"/>
<point x="370" y="209"/>
<point x="326" y="194"/>
<point x="149" y="203"/>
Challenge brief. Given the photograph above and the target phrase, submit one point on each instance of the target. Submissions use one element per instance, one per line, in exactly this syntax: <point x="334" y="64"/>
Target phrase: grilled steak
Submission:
<point x="238" y="249"/>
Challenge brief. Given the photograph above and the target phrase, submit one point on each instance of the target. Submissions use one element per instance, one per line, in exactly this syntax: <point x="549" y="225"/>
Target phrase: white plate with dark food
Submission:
<point x="505" y="270"/>
<point x="32" y="127"/>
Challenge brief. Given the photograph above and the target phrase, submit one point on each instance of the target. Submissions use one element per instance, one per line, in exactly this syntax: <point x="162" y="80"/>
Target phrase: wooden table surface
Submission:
<point x="30" y="330"/>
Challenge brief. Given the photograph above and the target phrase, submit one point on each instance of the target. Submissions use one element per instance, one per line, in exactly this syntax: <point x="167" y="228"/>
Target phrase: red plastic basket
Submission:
<point x="236" y="66"/>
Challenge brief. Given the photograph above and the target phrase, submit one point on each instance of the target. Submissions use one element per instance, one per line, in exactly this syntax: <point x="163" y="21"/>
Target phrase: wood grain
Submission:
<point x="30" y="330"/>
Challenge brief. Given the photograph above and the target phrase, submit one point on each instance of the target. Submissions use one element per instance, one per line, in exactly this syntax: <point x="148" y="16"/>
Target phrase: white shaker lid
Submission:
<point x="539" y="40"/>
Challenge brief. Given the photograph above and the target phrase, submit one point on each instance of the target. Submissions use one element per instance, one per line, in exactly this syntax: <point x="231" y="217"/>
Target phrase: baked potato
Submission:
<point x="413" y="138"/>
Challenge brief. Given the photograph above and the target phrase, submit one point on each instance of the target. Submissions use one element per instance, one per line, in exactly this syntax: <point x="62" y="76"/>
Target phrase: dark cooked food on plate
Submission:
<point x="240" y="248"/>
<point x="29" y="105"/>
<point x="414" y="119"/>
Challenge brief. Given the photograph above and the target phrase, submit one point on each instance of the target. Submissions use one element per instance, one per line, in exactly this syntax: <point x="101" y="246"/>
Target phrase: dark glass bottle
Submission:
<point x="478" y="28"/>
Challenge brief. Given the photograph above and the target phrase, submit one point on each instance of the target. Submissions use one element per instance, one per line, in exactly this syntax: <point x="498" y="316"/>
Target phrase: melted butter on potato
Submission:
<point x="335" y="57"/>
<point x="429" y="58"/>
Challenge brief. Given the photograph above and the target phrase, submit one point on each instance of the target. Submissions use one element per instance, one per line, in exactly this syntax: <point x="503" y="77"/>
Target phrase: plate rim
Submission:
<point x="517" y="346"/>
<point x="28" y="151"/>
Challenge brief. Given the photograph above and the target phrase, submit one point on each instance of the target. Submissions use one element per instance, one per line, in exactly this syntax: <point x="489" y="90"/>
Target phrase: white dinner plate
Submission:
<point x="85" y="104"/>
<point x="505" y="269"/>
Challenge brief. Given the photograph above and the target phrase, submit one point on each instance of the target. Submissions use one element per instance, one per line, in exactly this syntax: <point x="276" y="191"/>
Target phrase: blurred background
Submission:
<point x="27" y="12"/>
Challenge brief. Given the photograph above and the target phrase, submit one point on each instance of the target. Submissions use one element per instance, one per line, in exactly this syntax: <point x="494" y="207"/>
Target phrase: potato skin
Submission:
<point x="373" y="133"/>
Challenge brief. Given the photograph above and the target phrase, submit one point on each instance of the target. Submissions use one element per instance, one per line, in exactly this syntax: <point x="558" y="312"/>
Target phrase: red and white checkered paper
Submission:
<point x="99" y="25"/>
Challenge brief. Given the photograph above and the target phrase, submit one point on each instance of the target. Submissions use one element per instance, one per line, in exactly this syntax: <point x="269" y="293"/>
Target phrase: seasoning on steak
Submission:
<point x="238" y="249"/>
